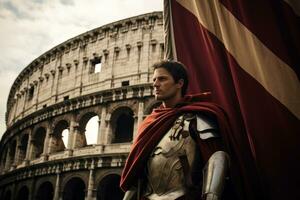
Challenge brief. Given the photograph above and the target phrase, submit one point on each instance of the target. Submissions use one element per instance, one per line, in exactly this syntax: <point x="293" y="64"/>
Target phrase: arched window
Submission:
<point x="91" y="130"/>
<point x="60" y="132"/>
<point x="89" y="124"/>
<point x="108" y="188"/>
<point x="74" y="189"/>
<point x="12" y="152"/>
<point x="23" y="147"/>
<point x="38" y="142"/>
<point x="23" y="193"/>
<point x="45" y="191"/>
<point x="122" y="123"/>
<point x="65" y="137"/>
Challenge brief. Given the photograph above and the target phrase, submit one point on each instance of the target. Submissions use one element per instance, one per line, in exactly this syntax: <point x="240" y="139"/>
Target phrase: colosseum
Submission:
<point x="104" y="73"/>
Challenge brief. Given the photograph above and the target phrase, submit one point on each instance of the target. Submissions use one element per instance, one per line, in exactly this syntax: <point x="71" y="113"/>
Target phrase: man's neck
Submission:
<point x="171" y="103"/>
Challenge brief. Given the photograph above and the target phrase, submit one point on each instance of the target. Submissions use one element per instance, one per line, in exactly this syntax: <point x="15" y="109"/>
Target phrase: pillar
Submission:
<point x="46" y="151"/>
<point x="7" y="160"/>
<point x="140" y="118"/>
<point x="101" y="130"/>
<point x="57" y="187"/>
<point x="107" y="130"/>
<point x="17" y="153"/>
<point x="29" y="148"/>
<point x="91" y="184"/>
<point x="50" y="141"/>
<point x="78" y="137"/>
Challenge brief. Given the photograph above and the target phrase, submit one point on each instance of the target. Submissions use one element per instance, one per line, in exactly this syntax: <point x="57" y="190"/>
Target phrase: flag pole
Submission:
<point x="170" y="48"/>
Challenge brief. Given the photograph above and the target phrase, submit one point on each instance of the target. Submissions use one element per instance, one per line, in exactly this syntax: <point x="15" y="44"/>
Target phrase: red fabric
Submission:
<point x="157" y="124"/>
<point x="265" y="134"/>
<point x="272" y="16"/>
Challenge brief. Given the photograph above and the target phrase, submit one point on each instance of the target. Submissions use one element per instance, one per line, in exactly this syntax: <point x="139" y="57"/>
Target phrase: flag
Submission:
<point x="247" y="54"/>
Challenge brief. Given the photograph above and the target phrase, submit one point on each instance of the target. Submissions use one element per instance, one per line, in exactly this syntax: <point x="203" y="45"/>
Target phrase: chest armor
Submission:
<point x="176" y="156"/>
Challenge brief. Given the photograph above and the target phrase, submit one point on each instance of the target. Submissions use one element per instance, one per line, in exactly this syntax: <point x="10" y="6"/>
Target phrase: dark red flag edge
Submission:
<point x="266" y="135"/>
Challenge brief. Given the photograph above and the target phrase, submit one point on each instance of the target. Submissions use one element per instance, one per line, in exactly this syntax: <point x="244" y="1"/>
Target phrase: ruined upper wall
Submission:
<point x="126" y="49"/>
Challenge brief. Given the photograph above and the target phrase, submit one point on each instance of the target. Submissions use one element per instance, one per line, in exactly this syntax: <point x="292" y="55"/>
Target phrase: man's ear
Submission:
<point x="180" y="83"/>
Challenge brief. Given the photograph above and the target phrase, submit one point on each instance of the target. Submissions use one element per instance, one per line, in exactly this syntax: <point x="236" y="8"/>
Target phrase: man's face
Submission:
<point x="164" y="85"/>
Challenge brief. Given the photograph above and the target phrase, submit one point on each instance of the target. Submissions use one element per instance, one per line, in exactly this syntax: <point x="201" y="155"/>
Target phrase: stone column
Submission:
<point x="29" y="148"/>
<point x="91" y="184"/>
<point x="57" y="187"/>
<point x="14" y="191"/>
<point x="139" y="117"/>
<point x="46" y="143"/>
<point x="7" y="160"/>
<point x="101" y="129"/>
<point x="54" y="86"/>
<point x="73" y="124"/>
<point x="50" y="147"/>
<point x="2" y="164"/>
<point x="107" y="130"/>
<point x="16" y="104"/>
<point x="78" y="137"/>
<point x="25" y="98"/>
<point x="135" y="126"/>
<point x="31" y="187"/>
<point x="17" y="153"/>
<point x="36" y="98"/>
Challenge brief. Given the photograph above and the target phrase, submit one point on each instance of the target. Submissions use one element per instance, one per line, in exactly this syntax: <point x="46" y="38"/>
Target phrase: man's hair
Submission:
<point x="177" y="70"/>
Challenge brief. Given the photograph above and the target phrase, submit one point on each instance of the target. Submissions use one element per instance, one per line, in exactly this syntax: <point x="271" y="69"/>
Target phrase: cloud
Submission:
<point x="30" y="28"/>
<point x="6" y="80"/>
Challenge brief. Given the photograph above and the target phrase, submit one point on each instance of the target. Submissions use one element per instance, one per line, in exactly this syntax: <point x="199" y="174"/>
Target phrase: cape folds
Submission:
<point x="159" y="122"/>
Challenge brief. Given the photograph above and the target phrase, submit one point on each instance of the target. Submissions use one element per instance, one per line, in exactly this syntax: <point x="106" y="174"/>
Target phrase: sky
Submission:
<point x="28" y="28"/>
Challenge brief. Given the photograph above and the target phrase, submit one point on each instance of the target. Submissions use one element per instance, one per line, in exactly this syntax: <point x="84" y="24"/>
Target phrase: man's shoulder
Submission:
<point x="204" y="125"/>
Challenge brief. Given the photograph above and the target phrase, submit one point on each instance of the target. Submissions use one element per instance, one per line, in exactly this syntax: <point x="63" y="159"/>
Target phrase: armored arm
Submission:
<point x="130" y="194"/>
<point x="214" y="174"/>
<point x="134" y="193"/>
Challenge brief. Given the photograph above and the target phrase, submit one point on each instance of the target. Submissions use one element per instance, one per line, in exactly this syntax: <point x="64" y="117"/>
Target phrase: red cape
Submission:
<point x="153" y="129"/>
<point x="161" y="120"/>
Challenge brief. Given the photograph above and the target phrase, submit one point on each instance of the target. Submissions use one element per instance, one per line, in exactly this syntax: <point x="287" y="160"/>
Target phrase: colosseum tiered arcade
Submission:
<point x="104" y="73"/>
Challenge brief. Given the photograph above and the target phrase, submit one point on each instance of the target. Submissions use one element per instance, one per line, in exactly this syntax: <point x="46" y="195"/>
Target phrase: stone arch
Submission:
<point x="122" y="124"/>
<point x="23" y="147"/>
<point x="38" y="139"/>
<point x="108" y="188"/>
<point x="3" y="158"/>
<point x="57" y="143"/>
<point x="74" y="189"/>
<point x="45" y="191"/>
<point x="10" y="154"/>
<point x="23" y="193"/>
<point x="83" y="121"/>
<point x="132" y="104"/>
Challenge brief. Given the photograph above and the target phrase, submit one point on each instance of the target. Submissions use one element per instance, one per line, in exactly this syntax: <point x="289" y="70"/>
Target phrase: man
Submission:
<point x="176" y="142"/>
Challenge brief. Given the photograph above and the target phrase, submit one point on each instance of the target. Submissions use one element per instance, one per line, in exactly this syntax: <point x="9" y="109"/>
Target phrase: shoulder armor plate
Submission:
<point x="206" y="127"/>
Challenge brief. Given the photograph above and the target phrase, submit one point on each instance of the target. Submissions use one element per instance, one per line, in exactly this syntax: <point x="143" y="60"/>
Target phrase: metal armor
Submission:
<point x="173" y="168"/>
<point x="214" y="174"/>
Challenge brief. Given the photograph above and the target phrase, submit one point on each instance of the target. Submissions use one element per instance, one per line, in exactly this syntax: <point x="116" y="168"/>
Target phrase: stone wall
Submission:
<point x="105" y="72"/>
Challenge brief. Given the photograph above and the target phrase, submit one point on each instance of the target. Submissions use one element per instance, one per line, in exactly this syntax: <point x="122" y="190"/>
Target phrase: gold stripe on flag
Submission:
<point x="295" y="5"/>
<point x="249" y="52"/>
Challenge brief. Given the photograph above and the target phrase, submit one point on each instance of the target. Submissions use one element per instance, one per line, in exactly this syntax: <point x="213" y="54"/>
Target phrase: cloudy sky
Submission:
<point x="28" y="28"/>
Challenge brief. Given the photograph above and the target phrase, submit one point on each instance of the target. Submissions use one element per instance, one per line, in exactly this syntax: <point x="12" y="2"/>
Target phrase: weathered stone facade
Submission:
<point x="104" y="72"/>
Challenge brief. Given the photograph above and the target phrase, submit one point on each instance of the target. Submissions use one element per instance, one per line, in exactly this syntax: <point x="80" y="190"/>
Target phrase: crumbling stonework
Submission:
<point x="104" y="72"/>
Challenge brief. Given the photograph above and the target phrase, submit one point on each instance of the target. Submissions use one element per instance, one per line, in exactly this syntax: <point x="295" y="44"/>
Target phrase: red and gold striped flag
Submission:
<point x="247" y="53"/>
